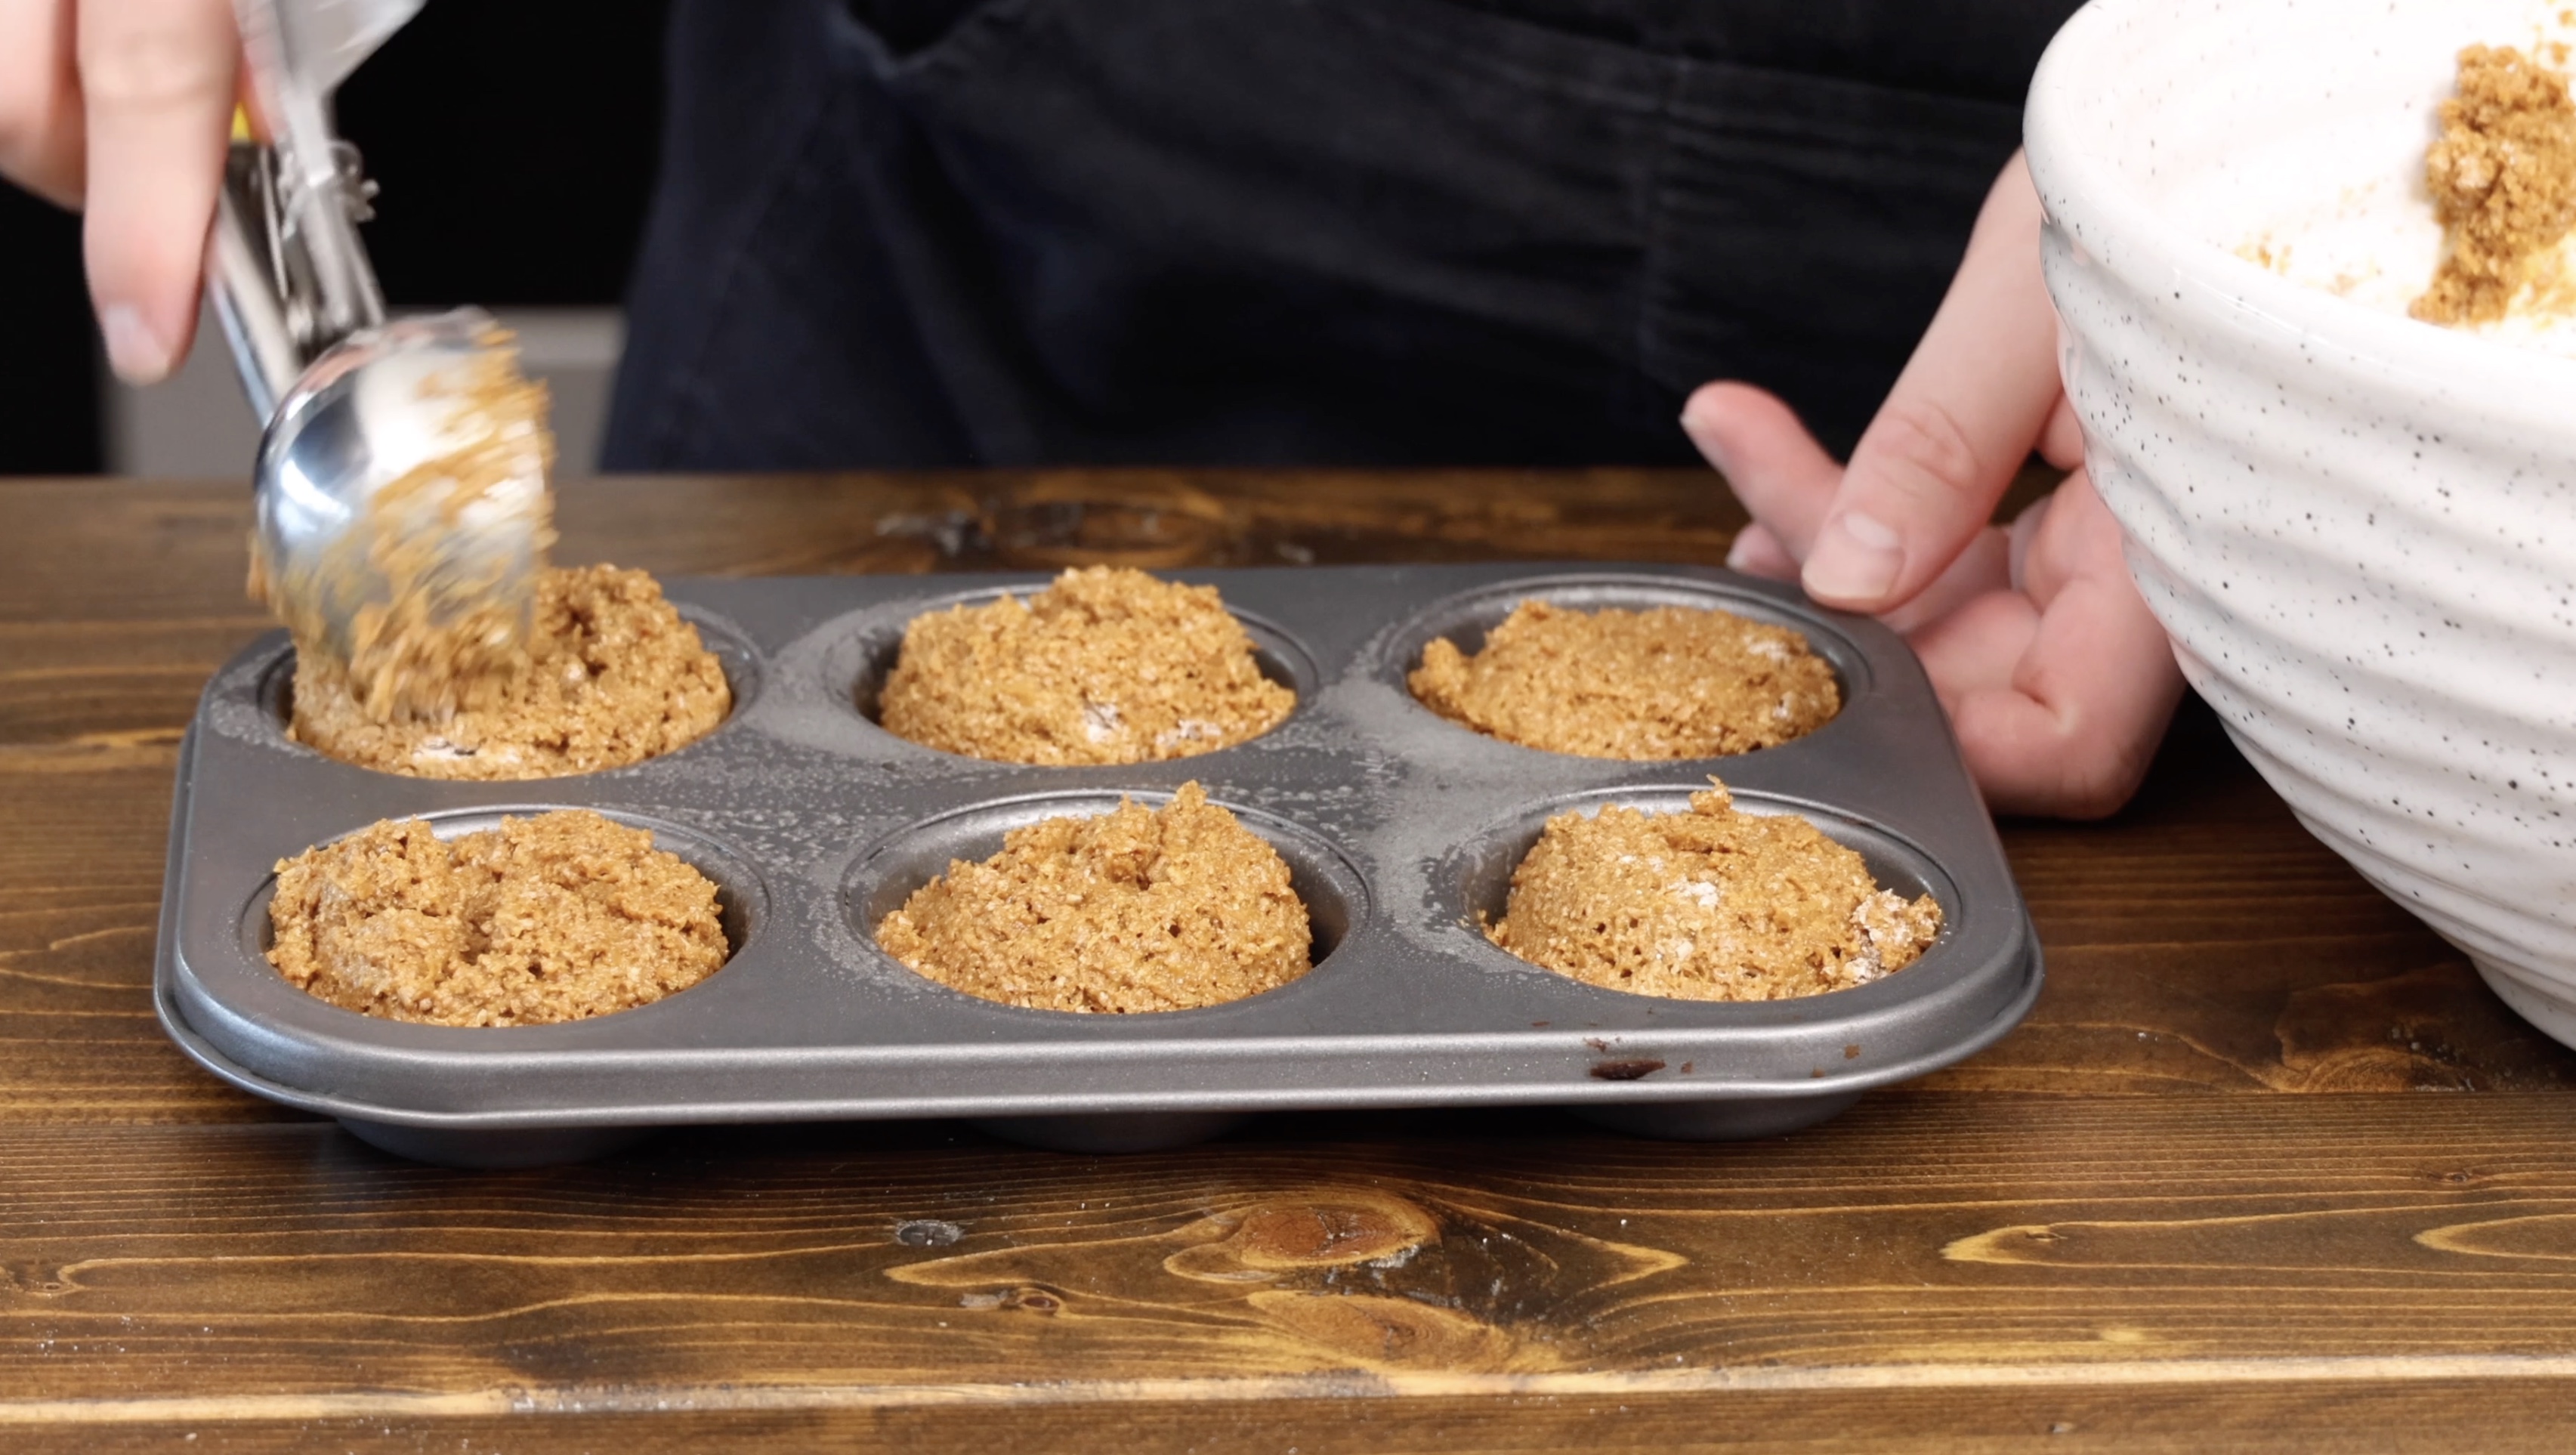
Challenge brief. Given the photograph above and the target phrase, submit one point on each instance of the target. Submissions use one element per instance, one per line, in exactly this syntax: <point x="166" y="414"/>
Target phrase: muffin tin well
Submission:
<point x="1399" y="827"/>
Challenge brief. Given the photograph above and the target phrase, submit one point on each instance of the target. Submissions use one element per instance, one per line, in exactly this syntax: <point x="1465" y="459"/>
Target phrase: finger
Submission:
<point x="2023" y="533"/>
<point x="40" y="132"/>
<point x="2090" y="695"/>
<point x="1960" y="421"/>
<point x="1757" y="552"/>
<point x="2074" y="736"/>
<point x="157" y="93"/>
<point x="1977" y="647"/>
<point x="1774" y="466"/>
<point x="1985" y="566"/>
<point x="2068" y="535"/>
<point x="2061" y="440"/>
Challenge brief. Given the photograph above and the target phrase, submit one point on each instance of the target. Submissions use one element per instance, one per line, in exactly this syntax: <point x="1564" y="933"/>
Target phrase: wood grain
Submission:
<point x="2433" y="1416"/>
<point x="2052" y="1243"/>
<point x="2113" y="1229"/>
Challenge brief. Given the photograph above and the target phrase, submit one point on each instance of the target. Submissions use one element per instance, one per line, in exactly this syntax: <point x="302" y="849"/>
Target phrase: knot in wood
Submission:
<point x="1339" y="1228"/>
<point x="927" y="1233"/>
<point x="1330" y="1232"/>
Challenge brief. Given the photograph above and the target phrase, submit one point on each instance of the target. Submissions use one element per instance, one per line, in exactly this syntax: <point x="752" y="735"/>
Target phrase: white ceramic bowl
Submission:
<point x="2360" y="530"/>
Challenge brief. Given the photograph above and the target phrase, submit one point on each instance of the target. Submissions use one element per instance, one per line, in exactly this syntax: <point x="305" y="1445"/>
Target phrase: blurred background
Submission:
<point x="515" y="145"/>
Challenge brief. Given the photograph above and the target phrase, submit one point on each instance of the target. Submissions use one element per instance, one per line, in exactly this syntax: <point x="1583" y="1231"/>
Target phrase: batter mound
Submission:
<point x="553" y="918"/>
<point x="609" y="675"/>
<point x="1668" y="682"/>
<point x="2503" y="179"/>
<point x="1712" y="904"/>
<point x="426" y="624"/>
<point x="1107" y="665"/>
<point x="1136" y="910"/>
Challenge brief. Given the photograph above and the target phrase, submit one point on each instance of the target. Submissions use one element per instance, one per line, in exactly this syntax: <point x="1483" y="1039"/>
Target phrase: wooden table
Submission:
<point x="2266" y="1166"/>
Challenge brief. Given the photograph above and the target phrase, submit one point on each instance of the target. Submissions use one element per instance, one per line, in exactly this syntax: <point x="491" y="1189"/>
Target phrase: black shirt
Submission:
<point x="933" y="232"/>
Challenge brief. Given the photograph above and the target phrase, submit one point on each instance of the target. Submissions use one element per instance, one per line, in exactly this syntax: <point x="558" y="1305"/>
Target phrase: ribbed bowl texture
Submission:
<point x="2359" y="529"/>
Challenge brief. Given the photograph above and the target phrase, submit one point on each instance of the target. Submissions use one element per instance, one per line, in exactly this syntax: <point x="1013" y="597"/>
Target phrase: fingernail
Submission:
<point x="1740" y="552"/>
<point x="1711" y="448"/>
<point x="136" y="353"/>
<point x="1717" y="459"/>
<point x="1856" y="559"/>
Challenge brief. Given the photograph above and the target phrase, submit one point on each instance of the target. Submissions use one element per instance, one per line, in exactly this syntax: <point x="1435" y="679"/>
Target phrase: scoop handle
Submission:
<point x="289" y="274"/>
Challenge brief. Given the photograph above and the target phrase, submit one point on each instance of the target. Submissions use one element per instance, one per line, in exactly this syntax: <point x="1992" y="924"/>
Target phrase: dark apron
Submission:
<point x="1020" y="232"/>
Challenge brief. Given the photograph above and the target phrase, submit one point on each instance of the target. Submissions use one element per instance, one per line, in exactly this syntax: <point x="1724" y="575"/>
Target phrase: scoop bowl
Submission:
<point x="352" y="486"/>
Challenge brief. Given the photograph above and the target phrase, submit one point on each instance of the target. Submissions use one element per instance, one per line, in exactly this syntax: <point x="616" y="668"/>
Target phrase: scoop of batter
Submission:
<point x="1136" y="910"/>
<point x="608" y="674"/>
<point x="1107" y="665"/>
<point x="1669" y="682"/>
<point x="1712" y="904"/>
<point x="558" y="917"/>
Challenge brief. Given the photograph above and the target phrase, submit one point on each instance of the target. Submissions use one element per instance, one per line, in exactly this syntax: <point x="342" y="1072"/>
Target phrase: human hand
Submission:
<point x="2057" y="680"/>
<point x="123" y="109"/>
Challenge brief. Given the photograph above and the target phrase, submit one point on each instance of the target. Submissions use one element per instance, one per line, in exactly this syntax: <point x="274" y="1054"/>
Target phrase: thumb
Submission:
<point x="1963" y="416"/>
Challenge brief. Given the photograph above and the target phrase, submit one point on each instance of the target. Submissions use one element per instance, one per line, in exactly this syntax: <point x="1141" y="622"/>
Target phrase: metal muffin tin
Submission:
<point x="1400" y="828"/>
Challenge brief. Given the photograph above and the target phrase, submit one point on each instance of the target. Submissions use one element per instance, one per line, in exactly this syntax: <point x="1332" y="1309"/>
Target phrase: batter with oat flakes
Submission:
<point x="1136" y="910"/>
<point x="1713" y="904"/>
<point x="1106" y="665"/>
<point x="1669" y="682"/>
<point x="2503" y="180"/>
<point x="608" y="674"/>
<point x="558" y="917"/>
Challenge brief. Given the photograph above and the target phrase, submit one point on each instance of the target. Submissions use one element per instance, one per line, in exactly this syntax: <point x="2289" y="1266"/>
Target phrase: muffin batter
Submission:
<point x="2503" y="179"/>
<point x="428" y="628"/>
<point x="553" y="918"/>
<point x="1136" y="910"/>
<point x="1669" y="682"/>
<point x="1712" y="904"/>
<point x="608" y="675"/>
<point x="1104" y="666"/>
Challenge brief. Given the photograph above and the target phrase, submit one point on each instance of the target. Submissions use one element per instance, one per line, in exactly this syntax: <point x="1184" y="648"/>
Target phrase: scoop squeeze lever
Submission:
<point x="354" y="405"/>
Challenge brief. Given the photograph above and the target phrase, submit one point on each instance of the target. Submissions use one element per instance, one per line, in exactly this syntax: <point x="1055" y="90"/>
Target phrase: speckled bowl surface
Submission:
<point x="2359" y="529"/>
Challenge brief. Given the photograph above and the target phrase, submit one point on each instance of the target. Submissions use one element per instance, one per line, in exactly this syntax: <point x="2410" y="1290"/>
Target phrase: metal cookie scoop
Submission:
<point x="401" y="476"/>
